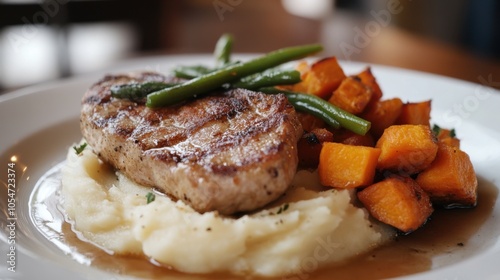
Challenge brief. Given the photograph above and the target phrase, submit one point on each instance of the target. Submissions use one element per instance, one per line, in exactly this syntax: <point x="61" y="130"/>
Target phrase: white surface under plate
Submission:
<point x="39" y="123"/>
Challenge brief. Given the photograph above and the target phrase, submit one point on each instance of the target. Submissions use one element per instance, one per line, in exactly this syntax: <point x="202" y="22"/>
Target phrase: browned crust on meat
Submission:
<point x="230" y="151"/>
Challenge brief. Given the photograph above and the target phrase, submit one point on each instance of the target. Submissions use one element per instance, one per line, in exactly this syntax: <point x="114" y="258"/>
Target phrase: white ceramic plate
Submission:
<point x="39" y="123"/>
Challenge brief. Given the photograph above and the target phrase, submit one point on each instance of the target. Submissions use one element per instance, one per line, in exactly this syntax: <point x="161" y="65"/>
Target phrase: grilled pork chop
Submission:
<point x="230" y="151"/>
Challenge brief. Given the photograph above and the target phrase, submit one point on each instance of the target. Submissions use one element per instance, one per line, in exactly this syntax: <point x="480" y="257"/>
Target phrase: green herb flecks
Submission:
<point x="436" y="130"/>
<point x="150" y="197"/>
<point x="79" y="149"/>
<point x="453" y="134"/>
<point x="282" y="209"/>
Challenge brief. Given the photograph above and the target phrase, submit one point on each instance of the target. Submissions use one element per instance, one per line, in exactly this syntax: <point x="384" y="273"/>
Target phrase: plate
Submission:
<point x="39" y="123"/>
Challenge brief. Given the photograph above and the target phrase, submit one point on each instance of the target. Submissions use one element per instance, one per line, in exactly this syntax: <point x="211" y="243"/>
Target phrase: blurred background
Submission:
<point x="52" y="39"/>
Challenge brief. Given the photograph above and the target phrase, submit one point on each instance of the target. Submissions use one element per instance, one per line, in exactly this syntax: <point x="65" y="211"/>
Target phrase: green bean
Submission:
<point x="223" y="49"/>
<point x="190" y="72"/>
<point x="193" y="71"/>
<point x="134" y="91"/>
<point x="320" y="108"/>
<point x="268" y="78"/>
<point x="216" y="79"/>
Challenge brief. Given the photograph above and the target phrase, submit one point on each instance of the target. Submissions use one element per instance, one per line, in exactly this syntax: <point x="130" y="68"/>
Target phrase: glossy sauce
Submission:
<point x="447" y="233"/>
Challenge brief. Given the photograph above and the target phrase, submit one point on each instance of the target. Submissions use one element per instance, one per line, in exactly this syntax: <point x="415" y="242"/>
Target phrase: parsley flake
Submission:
<point x="453" y="134"/>
<point x="436" y="129"/>
<point x="283" y="208"/>
<point x="150" y="197"/>
<point x="79" y="149"/>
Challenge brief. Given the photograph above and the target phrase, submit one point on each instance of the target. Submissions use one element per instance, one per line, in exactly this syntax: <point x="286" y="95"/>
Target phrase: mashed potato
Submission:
<point x="304" y="230"/>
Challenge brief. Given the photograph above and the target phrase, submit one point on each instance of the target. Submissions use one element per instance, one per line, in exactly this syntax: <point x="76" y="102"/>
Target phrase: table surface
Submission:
<point x="423" y="54"/>
<point x="199" y="28"/>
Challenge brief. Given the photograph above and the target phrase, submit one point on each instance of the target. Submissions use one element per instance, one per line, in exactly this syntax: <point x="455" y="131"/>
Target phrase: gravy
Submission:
<point x="446" y="234"/>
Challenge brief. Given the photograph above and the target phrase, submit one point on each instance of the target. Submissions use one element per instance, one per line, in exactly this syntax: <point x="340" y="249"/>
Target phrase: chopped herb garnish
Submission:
<point x="150" y="197"/>
<point x="80" y="148"/>
<point x="453" y="133"/>
<point x="282" y="209"/>
<point x="436" y="129"/>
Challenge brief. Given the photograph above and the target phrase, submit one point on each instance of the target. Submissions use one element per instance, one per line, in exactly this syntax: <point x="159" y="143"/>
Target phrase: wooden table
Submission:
<point x="261" y="26"/>
<point x="419" y="53"/>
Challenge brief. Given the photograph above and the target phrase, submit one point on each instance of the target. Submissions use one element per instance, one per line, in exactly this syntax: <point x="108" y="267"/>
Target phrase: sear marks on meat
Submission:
<point x="229" y="152"/>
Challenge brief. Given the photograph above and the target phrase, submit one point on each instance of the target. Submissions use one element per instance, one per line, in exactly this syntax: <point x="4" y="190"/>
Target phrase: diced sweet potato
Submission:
<point x="454" y="142"/>
<point x="304" y="68"/>
<point x="415" y="113"/>
<point x="322" y="79"/>
<point x="347" y="166"/>
<point x="399" y="202"/>
<point x="310" y="122"/>
<point x="406" y="149"/>
<point x="348" y="137"/>
<point x="309" y="146"/>
<point x="382" y="114"/>
<point x="352" y="95"/>
<point x="450" y="180"/>
<point x="447" y="136"/>
<point x="368" y="79"/>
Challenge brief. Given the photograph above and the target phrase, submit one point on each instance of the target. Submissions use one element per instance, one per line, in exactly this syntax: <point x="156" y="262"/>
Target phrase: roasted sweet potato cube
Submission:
<point x="454" y="142"/>
<point x="322" y="79"/>
<point x="399" y="202"/>
<point x="348" y="137"/>
<point x="304" y="69"/>
<point x="352" y="95"/>
<point x="415" y="113"/>
<point x="347" y="166"/>
<point x="310" y="122"/>
<point x="450" y="180"/>
<point x="382" y="114"/>
<point x="406" y="149"/>
<point x="309" y="146"/>
<point x="368" y="79"/>
<point x="447" y="136"/>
